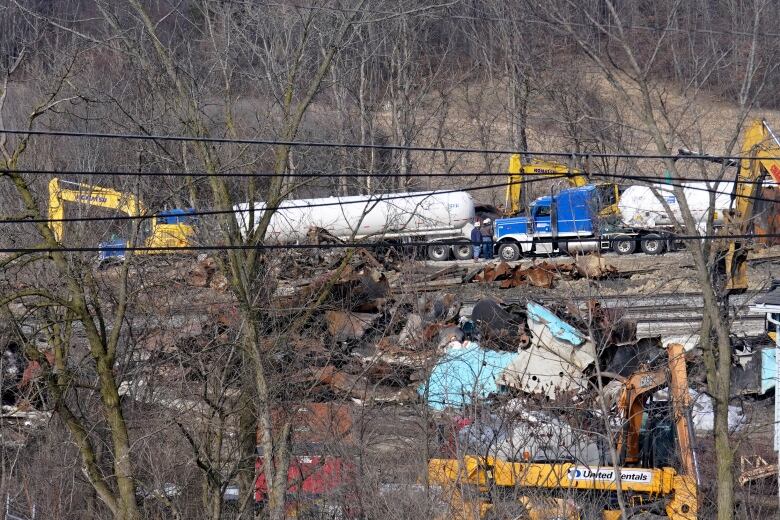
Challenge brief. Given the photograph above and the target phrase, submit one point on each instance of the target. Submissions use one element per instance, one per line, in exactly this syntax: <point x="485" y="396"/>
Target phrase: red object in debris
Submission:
<point x="34" y="370"/>
<point x="311" y="479"/>
<point x="448" y="435"/>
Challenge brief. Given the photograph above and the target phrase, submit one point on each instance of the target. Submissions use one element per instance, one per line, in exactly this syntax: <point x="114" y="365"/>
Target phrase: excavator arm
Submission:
<point x="168" y="231"/>
<point x="760" y="149"/>
<point x="518" y="172"/>
<point x="759" y="152"/>
<point x="65" y="191"/>
<point x="632" y="401"/>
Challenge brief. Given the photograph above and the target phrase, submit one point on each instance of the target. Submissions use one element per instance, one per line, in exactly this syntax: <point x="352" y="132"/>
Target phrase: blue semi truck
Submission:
<point x="569" y="222"/>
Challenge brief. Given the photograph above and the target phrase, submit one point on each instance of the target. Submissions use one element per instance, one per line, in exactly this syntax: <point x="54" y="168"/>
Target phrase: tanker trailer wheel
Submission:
<point x="509" y="252"/>
<point x="653" y="244"/>
<point x="624" y="245"/>
<point x="462" y="251"/>
<point x="439" y="252"/>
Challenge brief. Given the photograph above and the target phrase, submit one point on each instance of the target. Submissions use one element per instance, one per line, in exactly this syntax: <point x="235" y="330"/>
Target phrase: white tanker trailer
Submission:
<point x="423" y="216"/>
<point x="640" y="207"/>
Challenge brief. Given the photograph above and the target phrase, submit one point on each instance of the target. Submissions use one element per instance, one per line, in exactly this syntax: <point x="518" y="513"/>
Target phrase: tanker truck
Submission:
<point x="569" y="222"/>
<point x="430" y="216"/>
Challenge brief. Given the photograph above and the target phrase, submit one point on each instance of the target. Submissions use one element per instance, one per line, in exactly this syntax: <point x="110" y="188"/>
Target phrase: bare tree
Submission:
<point x="631" y="61"/>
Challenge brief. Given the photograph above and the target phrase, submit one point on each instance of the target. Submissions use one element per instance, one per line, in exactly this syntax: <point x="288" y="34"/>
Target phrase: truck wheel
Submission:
<point x="509" y="252"/>
<point x="439" y="252"/>
<point x="624" y="245"/>
<point x="653" y="244"/>
<point x="462" y="251"/>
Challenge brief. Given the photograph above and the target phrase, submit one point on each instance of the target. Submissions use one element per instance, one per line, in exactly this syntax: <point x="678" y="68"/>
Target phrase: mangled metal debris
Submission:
<point x="557" y="359"/>
<point x="541" y="275"/>
<point x="544" y="274"/>
<point x="463" y="375"/>
<point x="524" y="435"/>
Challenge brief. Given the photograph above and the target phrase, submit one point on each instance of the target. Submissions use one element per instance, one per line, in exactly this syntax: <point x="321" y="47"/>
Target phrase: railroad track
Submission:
<point x="664" y="313"/>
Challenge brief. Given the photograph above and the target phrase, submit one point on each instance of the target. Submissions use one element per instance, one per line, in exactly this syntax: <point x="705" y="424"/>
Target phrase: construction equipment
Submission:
<point x="476" y="484"/>
<point x="169" y="229"/>
<point x="760" y="151"/>
<point x="609" y="193"/>
<point x="569" y="222"/>
<point x="761" y="148"/>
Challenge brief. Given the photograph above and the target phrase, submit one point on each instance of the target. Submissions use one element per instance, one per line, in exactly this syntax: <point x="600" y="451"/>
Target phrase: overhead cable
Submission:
<point x="347" y="245"/>
<point x="327" y="144"/>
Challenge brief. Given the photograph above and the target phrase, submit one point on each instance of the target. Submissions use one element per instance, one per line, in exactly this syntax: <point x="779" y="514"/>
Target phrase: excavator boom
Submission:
<point x="162" y="235"/>
<point x="66" y="191"/>
<point x="518" y="172"/>
<point x="760" y="152"/>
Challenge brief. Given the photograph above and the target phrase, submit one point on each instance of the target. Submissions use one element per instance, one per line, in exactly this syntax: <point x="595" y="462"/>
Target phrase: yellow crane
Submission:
<point x="168" y="229"/>
<point x="474" y="482"/>
<point x="609" y="193"/>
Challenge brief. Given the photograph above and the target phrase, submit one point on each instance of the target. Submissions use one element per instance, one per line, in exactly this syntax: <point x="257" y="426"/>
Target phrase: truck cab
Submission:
<point x="570" y="213"/>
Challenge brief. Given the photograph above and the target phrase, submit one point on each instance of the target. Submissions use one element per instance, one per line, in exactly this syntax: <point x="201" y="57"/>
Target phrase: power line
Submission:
<point x="379" y="198"/>
<point x="347" y="245"/>
<point x="337" y="175"/>
<point x="282" y="206"/>
<point x="326" y="144"/>
<point x="324" y="175"/>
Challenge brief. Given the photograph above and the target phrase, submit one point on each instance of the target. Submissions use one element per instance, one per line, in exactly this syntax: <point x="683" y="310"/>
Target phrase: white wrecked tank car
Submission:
<point x="556" y="359"/>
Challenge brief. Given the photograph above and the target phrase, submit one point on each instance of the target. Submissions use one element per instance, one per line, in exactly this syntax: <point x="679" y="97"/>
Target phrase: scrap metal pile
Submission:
<point x="378" y="330"/>
<point x="383" y="333"/>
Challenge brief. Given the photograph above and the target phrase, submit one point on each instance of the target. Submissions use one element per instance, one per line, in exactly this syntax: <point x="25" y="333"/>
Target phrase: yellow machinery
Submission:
<point x="608" y="192"/>
<point x="475" y="484"/>
<point x="761" y="148"/>
<point x="168" y="229"/>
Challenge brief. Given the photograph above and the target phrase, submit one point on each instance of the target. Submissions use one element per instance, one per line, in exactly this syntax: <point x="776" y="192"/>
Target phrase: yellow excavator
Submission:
<point x="760" y="151"/>
<point x="609" y="193"/>
<point x="476" y="484"/>
<point x="169" y="229"/>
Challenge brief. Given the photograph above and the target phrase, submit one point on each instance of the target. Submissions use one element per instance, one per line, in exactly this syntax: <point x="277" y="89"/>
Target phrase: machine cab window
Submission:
<point x="606" y="195"/>
<point x="541" y="212"/>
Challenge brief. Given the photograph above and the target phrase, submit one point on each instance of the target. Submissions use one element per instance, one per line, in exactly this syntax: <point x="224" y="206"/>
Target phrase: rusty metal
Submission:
<point x="344" y="325"/>
<point x="540" y="277"/>
<point x="313" y="422"/>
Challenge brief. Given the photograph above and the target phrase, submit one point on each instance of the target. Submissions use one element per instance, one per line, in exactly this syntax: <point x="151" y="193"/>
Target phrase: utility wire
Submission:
<point x="325" y="144"/>
<point x="282" y="206"/>
<point x="347" y="245"/>
<point x="336" y="175"/>
<point x="378" y="198"/>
